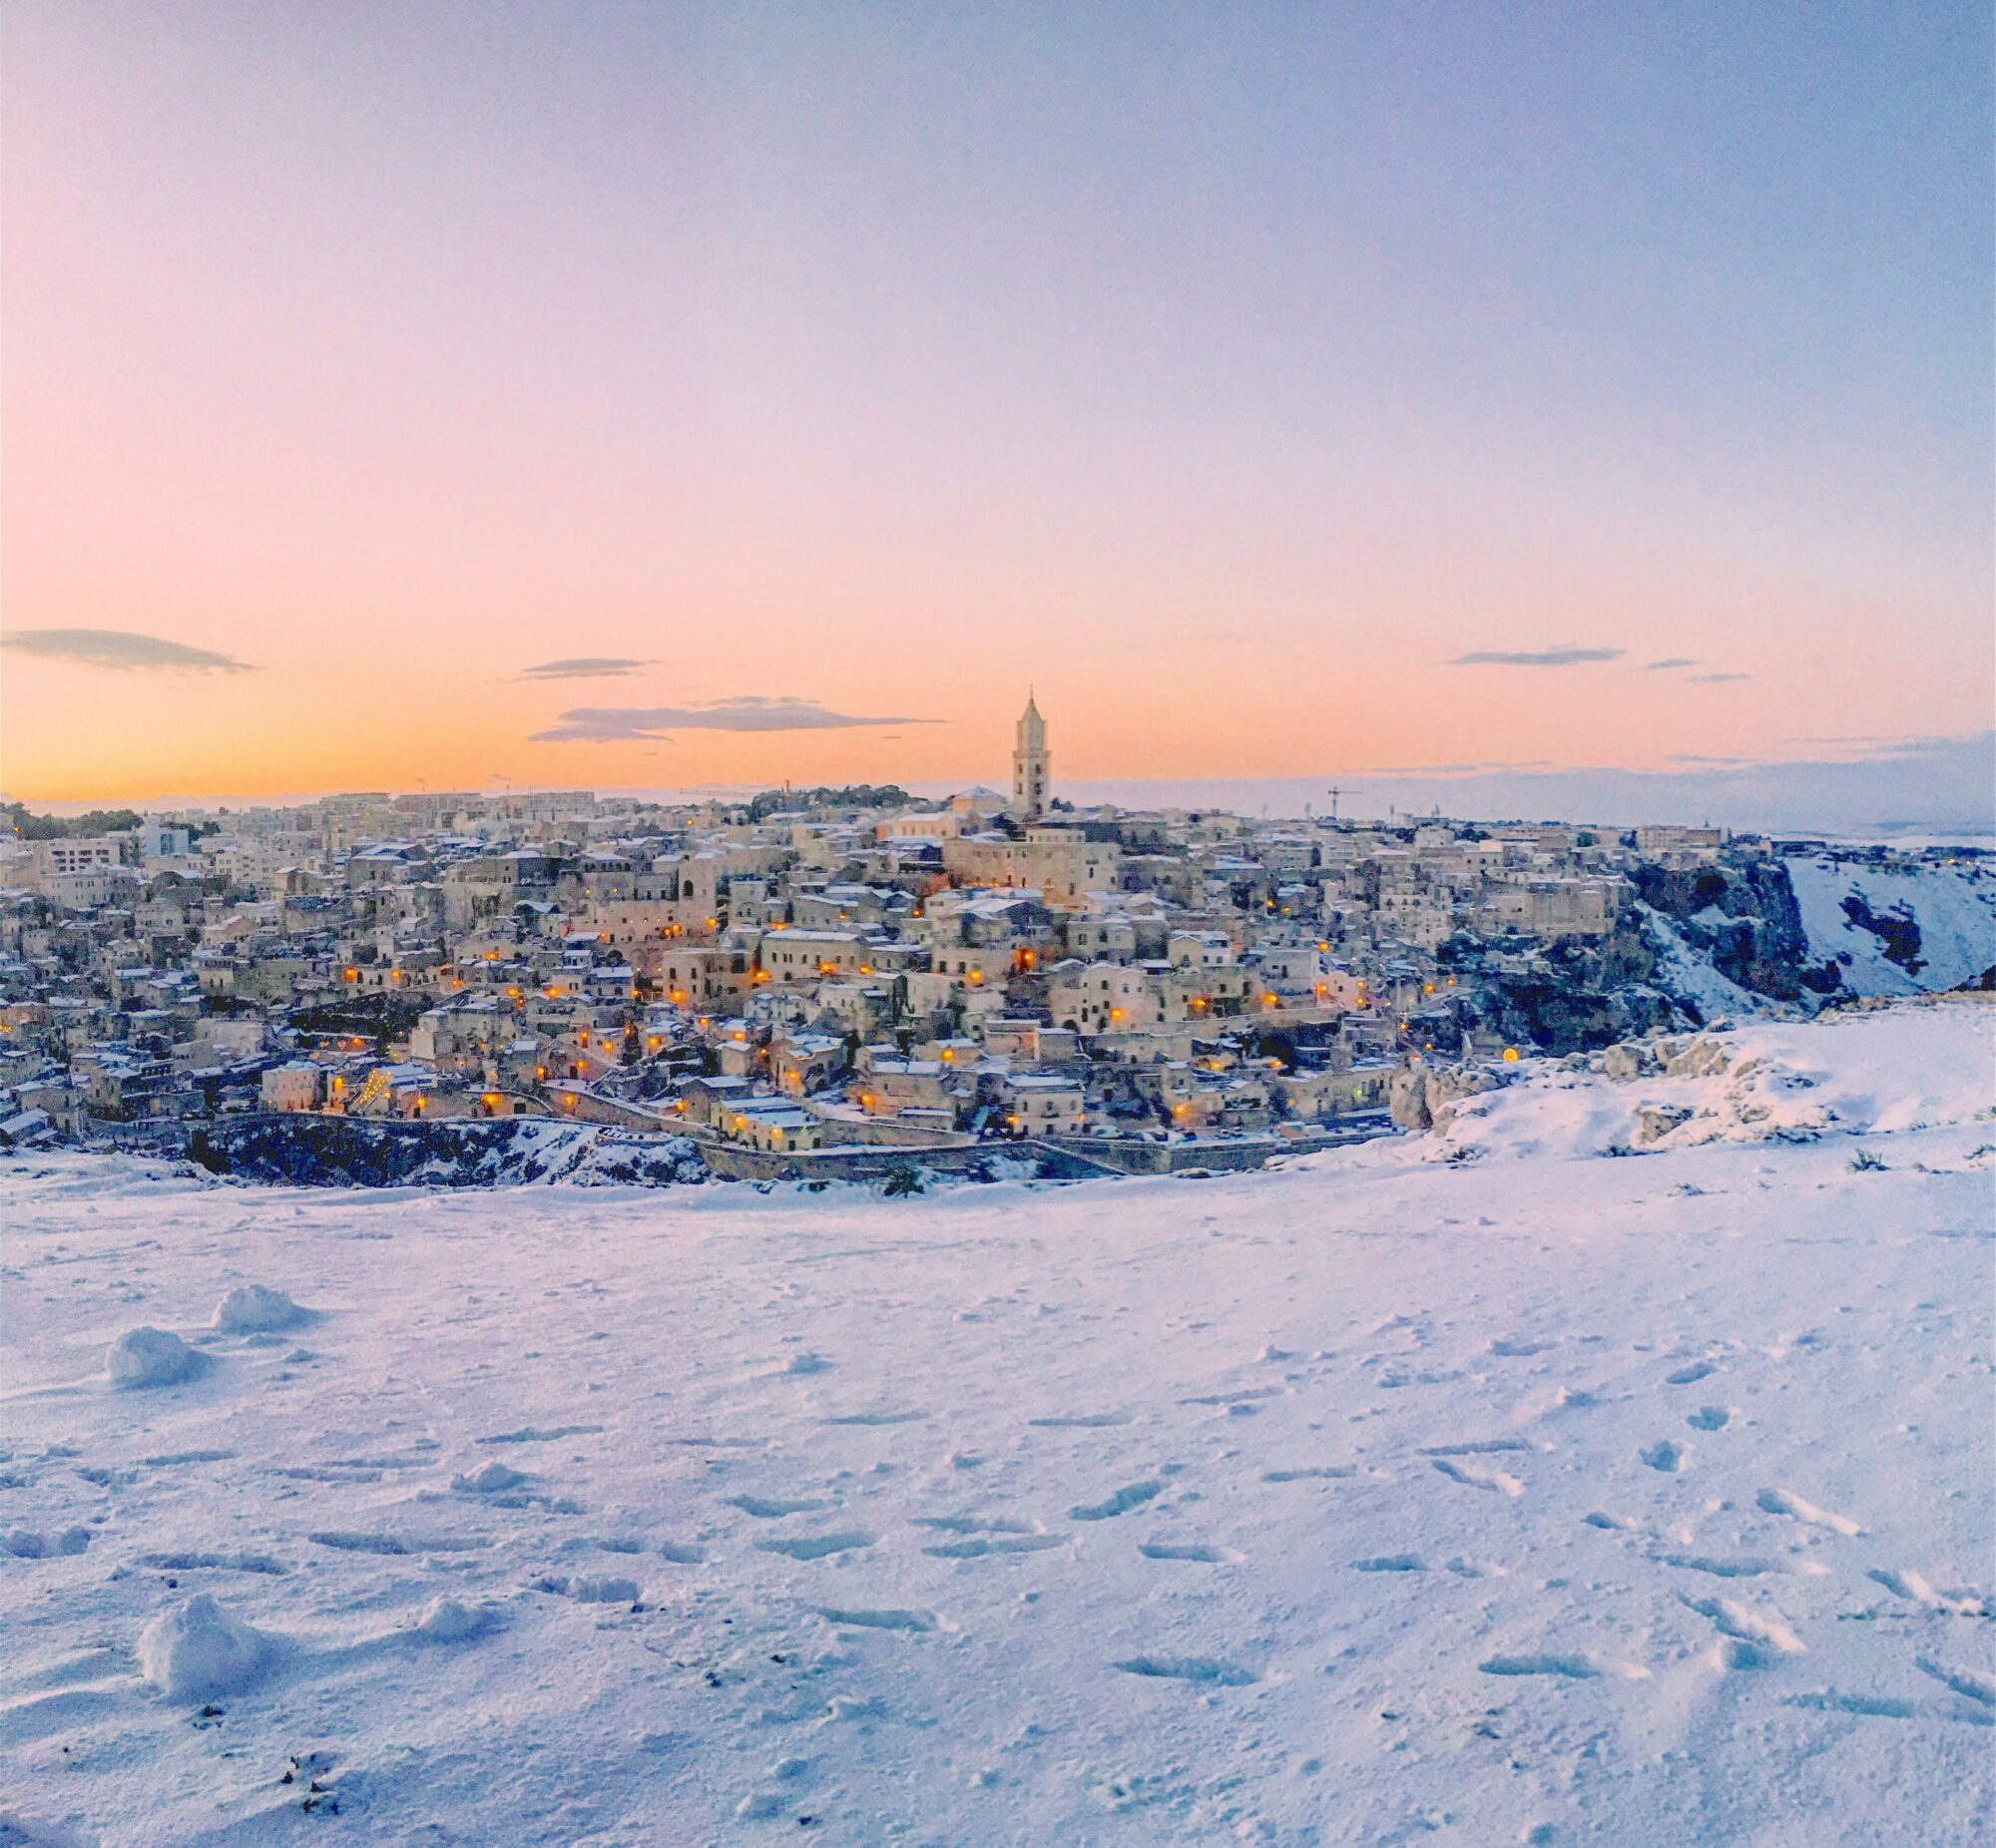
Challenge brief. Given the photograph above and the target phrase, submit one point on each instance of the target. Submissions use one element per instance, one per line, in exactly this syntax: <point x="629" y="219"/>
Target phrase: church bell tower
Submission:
<point x="1030" y="766"/>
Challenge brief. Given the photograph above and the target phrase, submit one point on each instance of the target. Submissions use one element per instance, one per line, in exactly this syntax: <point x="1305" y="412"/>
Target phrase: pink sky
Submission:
<point x="392" y="357"/>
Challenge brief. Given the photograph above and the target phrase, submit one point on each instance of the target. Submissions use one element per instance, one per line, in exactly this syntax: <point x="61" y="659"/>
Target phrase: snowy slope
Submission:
<point x="1377" y="1500"/>
<point x="1850" y="1073"/>
<point x="1946" y="912"/>
<point x="1688" y="975"/>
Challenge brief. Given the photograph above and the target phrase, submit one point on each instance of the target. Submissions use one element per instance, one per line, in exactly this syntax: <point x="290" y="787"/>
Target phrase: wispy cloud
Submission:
<point x="1674" y="660"/>
<point x="1455" y="769"/>
<point x="1715" y="679"/>
<point x="1921" y="745"/>
<point x="605" y="725"/>
<point x="1715" y="763"/>
<point x="1870" y="740"/>
<point x="123" y="649"/>
<point x="1564" y="656"/>
<point x="583" y="668"/>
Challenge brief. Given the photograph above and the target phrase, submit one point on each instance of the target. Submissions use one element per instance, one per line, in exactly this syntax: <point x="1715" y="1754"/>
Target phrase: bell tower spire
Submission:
<point x="1030" y="765"/>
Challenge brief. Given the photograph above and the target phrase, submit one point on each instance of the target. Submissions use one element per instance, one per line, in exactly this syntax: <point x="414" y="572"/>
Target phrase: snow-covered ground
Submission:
<point x="1476" y="1488"/>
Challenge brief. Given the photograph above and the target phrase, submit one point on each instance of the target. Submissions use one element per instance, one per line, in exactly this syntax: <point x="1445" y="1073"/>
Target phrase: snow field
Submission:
<point x="1383" y="1499"/>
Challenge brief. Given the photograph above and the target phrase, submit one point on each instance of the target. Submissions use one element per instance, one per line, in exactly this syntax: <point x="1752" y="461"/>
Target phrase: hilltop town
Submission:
<point x="845" y="982"/>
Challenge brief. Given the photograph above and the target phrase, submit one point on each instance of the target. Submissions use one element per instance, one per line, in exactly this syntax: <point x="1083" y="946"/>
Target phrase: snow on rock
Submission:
<point x="1897" y="930"/>
<point x="1851" y="1074"/>
<point x="1386" y="1495"/>
<point x="250" y="1308"/>
<point x="199" y="1651"/>
<point x="143" y="1358"/>
<point x="508" y="1151"/>
<point x="1689" y="976"/>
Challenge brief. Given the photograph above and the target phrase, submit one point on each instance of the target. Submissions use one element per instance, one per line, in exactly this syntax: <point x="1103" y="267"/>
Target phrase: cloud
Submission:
<point x="121" y="649"/>
<point x="583" y="668"/>
<point x="1870" y="740"/>
<point x="1715" y="763"/>
<point x="1674" y="660"/>
<point x="1920" y="744"/>
<point x="605" y="725"/>
<point x="1564" y="656"/>
<point x="1715" y="679"/>
<point x="1453" y="770"/>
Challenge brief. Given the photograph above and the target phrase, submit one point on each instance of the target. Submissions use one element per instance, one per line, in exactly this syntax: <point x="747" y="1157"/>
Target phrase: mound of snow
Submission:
<point x="444" y="1620"/>
<point x="250" y="1309"/>
<point x="493" y="1479"/>
<point x="200" y="1651"/>
<point x="151" y="1357"/>
<point x="24" y="1543"/>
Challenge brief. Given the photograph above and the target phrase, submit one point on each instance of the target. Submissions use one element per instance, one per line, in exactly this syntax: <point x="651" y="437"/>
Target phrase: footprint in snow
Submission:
<point x="1691" y="1375"/>
<point x="1970" y="1683"/>
<point x="1578" y="1666"/>
<point x="816" y="1546"/>
<point x="1963" y="1600"/>
<point x="589" y="1588"/>
<point x="915" y="1622"/>
<point x="1724" y="1565"/>
<point x="1665" y="1455"/>
<point x="1868" y="1706"/>
<point x="1747" y="1636"/>
<point x="532" y="1434"/>
<point x="1496" y="1482"/>
<point x="1199" y="1668"/>
<point x="975" y="1524"/>
<point x="1134" y="1495"/>
<point x="1787" y="1502"/>
<point x="984" y="1546"/>
<point x="393" y="1546"/>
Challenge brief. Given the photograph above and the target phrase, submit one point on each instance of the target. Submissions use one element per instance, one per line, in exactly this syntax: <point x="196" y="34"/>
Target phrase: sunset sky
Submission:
<point x="654" y="396"/>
